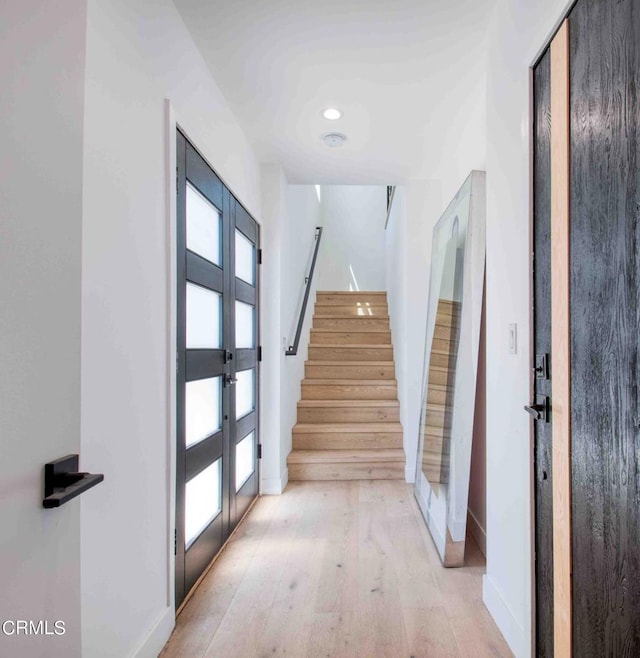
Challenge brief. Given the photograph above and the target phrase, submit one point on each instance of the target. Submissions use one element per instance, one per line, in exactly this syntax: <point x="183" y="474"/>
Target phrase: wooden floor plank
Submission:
<point x="337" y="569"/>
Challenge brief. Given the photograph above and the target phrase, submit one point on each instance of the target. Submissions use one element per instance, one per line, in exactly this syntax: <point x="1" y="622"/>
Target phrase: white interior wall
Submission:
<point x="395" y="277"/>
<point x="273" y="477"/>
<point x="291" y="213"/>
<point x="303" y="215"/>
<point x="519" y="30"/>
<point x="138" y="54"/>
<point x="41" y="115"/>
<point x="353" y="242"/>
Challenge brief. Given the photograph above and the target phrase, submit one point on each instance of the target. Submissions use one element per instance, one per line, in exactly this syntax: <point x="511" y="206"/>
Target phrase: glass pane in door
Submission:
<point x="245" y="259"/>
<point x="204" y="226"/>
<point x="203" y="409"/>
<point x="245" y="326"/>
<point x="204" y="327"/>
<point x="245" y="398"/>
<point x="244" y="460"/>
<point x="203" y="501"/>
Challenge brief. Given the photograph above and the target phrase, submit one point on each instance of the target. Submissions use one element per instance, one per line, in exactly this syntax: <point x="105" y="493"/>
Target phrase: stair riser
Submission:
<point x="362" y="471"/>
<point x="350" y="311"/>
<point x="350" y="338"/>
<point x="448" y="307"/>
<point x="347" y="441"/>
<point x="438" y="418"/>
<point x="441" y="377"/>
<point x="349" y="415"/>
<point x="449" y="346"/>
<point x="445" y="333"/>
<point x="363" y="325"/>
<point x="436" y="396"/>
<point x="435" y="446"/>
<point x="349" y="372"/>
<point x="447" y="316"/>
<point x="436" y="434"/>
<point x="442" y="361"/>
<point x="324" y="298"/>
<point x="351" y="392"/>
<point x="350" y="353"/>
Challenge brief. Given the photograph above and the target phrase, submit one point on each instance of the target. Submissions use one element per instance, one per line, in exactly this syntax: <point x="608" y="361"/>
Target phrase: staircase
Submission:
<point x="348" y="418"/>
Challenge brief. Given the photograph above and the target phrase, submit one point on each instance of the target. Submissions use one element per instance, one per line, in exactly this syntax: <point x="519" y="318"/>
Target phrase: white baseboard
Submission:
<point x="274" y="486"/>
<point x="410" y="474"/>
<point x="507" y="624"/>
<point x="477" y="532"/>
<point x="157" y="637"/>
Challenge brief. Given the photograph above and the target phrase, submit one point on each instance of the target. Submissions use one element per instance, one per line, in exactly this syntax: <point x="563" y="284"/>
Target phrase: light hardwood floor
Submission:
<point x="337" y="569"/>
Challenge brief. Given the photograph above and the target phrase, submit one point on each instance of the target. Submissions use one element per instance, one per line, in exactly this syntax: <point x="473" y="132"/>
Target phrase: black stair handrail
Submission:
<point x="293" y="349"/>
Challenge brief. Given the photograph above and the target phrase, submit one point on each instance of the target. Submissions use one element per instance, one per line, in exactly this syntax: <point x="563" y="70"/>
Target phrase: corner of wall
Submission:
<point x="505" y="619"/>
<point x="409" y="473"/>
<point x="273" y="184"/>
<point x="154" y="641"/>
<point x="275" y="486"/>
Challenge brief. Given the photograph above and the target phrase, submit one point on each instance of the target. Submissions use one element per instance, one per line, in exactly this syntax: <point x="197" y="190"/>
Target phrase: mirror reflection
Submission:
<point x="450" y="370"/>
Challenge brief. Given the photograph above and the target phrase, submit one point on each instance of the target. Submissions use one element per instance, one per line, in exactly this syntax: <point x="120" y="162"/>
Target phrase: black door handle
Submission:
<point x="535" y="410"/>
<point x="539" y="410"/>
<point x="230" y="381"/>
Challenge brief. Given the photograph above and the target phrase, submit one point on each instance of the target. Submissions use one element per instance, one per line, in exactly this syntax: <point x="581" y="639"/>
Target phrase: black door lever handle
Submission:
<point x="539" y="410"/>
<point x="535" y="410"/>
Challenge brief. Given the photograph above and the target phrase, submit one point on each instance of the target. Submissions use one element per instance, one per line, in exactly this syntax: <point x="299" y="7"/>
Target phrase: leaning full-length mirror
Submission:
<point x="454" y="316"/>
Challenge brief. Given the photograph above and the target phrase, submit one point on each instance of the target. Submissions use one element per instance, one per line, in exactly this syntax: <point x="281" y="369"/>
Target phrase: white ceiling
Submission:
<point x="407" y="74"/>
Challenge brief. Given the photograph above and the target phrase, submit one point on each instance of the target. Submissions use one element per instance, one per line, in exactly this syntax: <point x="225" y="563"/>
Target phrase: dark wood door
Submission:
<point x="604" y="56"/>
<point x="588" y="572"/>
<point x="541" y="359"/>
<point x="217" y="365"/>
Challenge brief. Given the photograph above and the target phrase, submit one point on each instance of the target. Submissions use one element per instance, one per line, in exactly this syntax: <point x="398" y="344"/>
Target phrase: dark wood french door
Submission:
<point x="587" y="329"/>
<point x="217" y="362"/>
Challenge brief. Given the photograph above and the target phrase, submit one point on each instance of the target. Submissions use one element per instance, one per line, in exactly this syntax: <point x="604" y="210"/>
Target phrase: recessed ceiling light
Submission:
<point x="334" y="140"/>
<point x="332" y="114"/>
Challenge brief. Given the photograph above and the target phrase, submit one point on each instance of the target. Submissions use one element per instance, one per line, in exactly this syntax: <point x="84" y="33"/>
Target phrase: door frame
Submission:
<point x="171" y="128"/>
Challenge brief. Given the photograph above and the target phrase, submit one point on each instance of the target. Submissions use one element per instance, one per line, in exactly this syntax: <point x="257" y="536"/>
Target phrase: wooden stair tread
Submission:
<point x="351" y="346"/>
<point x="373" y="428"/>
<point x="360" y="327"/>
<point x="351" y="317"/>
<point x="316" y="362"/>
<point x="351" y="292"/>
<point x="353" y="330"/>
<point x="322" y="330"/>
<point x="349" y="302"/>
<point x="348" y="403"/>
<point x="438" y="407"/>
<point x="342" y="456"/>
<point x="349" y="382"/>
<point x="437" y="431"/>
